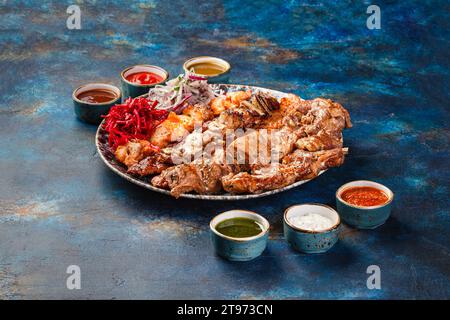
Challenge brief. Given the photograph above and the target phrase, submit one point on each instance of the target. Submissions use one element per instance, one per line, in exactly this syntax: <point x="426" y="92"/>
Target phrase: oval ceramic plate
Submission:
<point x="101" y="140"/>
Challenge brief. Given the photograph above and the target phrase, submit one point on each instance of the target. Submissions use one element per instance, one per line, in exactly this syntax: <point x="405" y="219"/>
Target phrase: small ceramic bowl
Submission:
<point x="364" y="217"/>
<point x="219" y="78"/>
<point x="309" y="241"/>
<point x="92" y="112"/>
<point x="239" y="249"/>
<point x="133" y="90"/>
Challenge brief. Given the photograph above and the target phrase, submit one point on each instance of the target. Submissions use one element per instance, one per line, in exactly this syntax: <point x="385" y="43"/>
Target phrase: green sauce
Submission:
<point x="239" y="227"/>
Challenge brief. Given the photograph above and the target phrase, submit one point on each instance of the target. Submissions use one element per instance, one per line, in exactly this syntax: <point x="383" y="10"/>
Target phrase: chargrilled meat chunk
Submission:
<point x="231" y="100"/>
<point x="151" y="165"/>
<point x="133" y="152"/>
<point x="300" y="165"/>
<point x="320" y="160"/>
<point x="262" y="146"/>
<point x="199" y="177"/>
<point x="215" y="135"/>
<point x="270" y="177"/>
<point x="322" y="126"/>
<point x="323" y="140"/>
<point x="325" y="113"/>
<point x="176" y="127"/>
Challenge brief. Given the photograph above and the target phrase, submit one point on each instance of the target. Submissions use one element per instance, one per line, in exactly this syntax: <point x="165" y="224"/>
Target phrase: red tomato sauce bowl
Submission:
<point x="144" y="77"/>
<point x="364" y="204"/>
<point x="138" y="80"/>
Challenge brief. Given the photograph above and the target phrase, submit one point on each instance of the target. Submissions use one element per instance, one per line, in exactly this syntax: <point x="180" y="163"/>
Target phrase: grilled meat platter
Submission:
<point x="238" y="142"/>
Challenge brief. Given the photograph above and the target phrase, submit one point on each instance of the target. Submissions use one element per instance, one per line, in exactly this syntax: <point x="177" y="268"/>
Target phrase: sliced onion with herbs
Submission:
<point x="188" y="88"/>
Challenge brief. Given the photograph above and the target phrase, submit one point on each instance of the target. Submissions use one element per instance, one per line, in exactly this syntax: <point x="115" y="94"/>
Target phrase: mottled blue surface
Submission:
<point x="60" y="205"/>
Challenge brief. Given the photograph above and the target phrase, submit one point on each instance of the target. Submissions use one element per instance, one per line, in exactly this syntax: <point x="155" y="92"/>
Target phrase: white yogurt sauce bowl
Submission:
<point x="311" y="227"/>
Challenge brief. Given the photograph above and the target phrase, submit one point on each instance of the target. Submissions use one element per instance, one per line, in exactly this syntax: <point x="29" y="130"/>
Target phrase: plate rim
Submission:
<point x="216" y="197"/>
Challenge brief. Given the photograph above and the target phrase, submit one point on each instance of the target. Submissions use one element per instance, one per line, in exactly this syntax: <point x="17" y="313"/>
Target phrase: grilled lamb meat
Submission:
<point x="270" y="177"/>
<point x="300" y="165"/>
<point x="203" y="178"/>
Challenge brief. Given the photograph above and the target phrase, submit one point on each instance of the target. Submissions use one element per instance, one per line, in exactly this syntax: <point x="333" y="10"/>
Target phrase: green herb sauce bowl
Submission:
<point x="239" y="249"/>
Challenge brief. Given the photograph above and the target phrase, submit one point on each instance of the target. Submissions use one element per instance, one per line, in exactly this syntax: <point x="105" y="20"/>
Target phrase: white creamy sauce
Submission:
<point x="311" y="221"/>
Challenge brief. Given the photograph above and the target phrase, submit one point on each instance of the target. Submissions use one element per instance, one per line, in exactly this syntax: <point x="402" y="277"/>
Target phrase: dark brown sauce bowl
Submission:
<point x="91" y="112"/>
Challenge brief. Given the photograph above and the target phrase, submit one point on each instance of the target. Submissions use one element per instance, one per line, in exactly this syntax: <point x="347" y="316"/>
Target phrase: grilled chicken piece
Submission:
<point x="151" y="165"/>
<point x="310" y="115"/>
<point x="293" y="103"/>
<point x="300" y="165"/>
<point x="231" y="100"/>
<point x="176" y="127"/>
<point x="173" y="129"/>
<point x="219" y="105"/>
<point x="321" y="160"/>
<point x="241" y="117"/>
<point x="323" y="140"/>
<point x="266" y="178"/>
<point x="199" y="113"/>
<point x="238" y="96"/>
<point x="290" y="112"/>
<point x="262" y="146"/>
<point x="215" y="134"/>
<point x="323" y="125"/>
<point x="134" y="151"/>
<point x="325" y="114"/>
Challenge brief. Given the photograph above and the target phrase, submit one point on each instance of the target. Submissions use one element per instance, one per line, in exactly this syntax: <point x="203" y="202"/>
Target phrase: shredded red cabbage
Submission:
<point x="134" y="119"/>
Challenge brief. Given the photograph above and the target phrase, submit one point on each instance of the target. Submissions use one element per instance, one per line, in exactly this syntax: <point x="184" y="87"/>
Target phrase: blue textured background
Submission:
<point x="60" y="205"/>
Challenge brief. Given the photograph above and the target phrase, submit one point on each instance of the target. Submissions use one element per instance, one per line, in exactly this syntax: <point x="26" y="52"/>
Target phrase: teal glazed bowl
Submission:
<point x="133" y="90"/>
<point x="239" y="249"/>
<point x="222" y="77"/>
<point x="92" y="112"/>
<point x="309" y="241"/>
<point x="364" y="217"/>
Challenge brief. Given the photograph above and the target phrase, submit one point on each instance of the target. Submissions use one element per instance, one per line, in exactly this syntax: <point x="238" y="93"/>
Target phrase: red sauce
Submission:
<point x="97" y="96"/>
<point x="364" y="196"/>
<point x="144" y="78"/>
